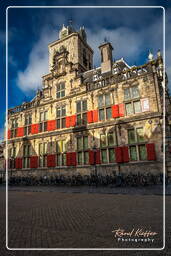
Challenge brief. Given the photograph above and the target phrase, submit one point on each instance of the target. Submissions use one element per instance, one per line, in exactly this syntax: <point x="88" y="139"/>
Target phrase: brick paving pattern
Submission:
<point x="71" y="220"/>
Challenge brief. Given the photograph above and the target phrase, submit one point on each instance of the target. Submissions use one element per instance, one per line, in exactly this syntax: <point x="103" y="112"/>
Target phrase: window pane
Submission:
<point x="127" y="95"/>
<point x="63" y="159"/>
<point x="41" y="116"/>
<point x="133" y="153"/>
<point x="58" y="87"/>
<point x="85" y="142"/>
<point x="40" y="127"/>
<point x="86" y="157"/>
<point x="104" y="155"/>
<point x="84" y="106"/>
<point x="63" y="122"/>
<point x="28" y="150"/>
<point x="107" y="99"/>
<point x="108" y="113"/>
<point x="140" y="135"/>
<point x="41" y="161"/>
<point x="45" y="126"/>
<point x="45" y="148"/>
<point x="79" y="119"/>
<point x="111" y="155"/>
<point x="111" y="139"/>
<point x="59" y="159"/>
<point x="45" y="115"/>
<point x="129" y="108"/>
<point x="131" y="136"/>
<point x="80" y="159"/>
<point x="58" y="124"/>
<point x="103" y="141"/>
<point x="58" y="112"/>
<point x="142" y="152"/>
<point x="84" y="118"/>
<point x="62" y="93"/>
<point x="79" y="143"/>
<point x="62" y="86"/>
<point x="101" y="114"/>
<point x="137" y="107"/>
<point x="135" y="92"/>
<point x="78" y="106"/>
<point x="63" y="111"/>
<point x="40" y="149"/>
<point x="100" y="101"/>
<point x="58" y="95"/>
<point x="25" y="152"/>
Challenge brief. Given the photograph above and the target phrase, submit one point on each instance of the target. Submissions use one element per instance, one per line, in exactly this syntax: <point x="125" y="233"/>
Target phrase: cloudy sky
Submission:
<point x="132" y="32"/>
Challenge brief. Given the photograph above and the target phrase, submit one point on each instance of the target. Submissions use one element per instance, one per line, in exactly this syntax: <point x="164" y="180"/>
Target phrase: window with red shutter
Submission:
<point x="73" y="120"/>
<point x="151" y="154"/>
<point x="90" y="116"/>
<point x="95" y="115"/>
<point x="115" y="111"/>
<point x="73" y="158"/>
<point x="34" y="128"/>
<point x="68" y="121"/>
<point x="51" y="161"/>
<point x="125" y="154"/>
<point x="20" y="132"/>
<point x="97" y="157"/>
<point x="91" y="157"/>
<point x="33" y="161"/>
<point x="51" y="125"/>
<point x="118" y="155"/>
<point x="121" y="110"/>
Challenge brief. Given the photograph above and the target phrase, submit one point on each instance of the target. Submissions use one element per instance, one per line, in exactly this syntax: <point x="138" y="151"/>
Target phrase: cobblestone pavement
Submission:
<point x="52" y="219"/>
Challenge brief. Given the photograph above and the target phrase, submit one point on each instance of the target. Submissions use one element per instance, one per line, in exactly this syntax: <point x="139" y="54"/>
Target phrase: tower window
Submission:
<point x="60" y="90"/>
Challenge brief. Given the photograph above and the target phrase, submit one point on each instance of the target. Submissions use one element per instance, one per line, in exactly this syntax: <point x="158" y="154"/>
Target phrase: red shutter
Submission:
<point x="51" y="125"/>
<point x="73" y="158"/>
<point x="33" y="161"/>
<point x="68" y="121"/>
<point x="98" y="157"/>
<point x="18" y="163"/>
<point x="9" y="134"/>
<point x="73" y="120"/>
<point x="34" y="128"/>
<point x="125" y="154"/>
<point x="91" y="157"/>
<point x="20" y="131"/>
<point x="90" y="116"/>
<point x="68" y="158"/>
<point x="51" y="161"/>
<point x="121" y="109"/>
<point x="151" y="154"/>
<point x="115" y="111"/>
<point x="95" y="115"/>
<point x="118" y="154"/>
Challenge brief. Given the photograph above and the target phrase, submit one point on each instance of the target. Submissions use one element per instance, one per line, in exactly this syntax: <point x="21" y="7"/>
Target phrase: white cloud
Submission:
<point x="30" y="78"/>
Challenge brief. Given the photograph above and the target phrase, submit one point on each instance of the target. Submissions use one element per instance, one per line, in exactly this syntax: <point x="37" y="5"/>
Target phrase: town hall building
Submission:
<point x="85" y="119"/>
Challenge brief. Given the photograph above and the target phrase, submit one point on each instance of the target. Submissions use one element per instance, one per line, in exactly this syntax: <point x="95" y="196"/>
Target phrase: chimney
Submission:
<point x="106" y="57"/>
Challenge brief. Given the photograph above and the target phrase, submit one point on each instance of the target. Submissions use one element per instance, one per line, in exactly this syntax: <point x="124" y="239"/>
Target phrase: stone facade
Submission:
<point x="86" y="120"/>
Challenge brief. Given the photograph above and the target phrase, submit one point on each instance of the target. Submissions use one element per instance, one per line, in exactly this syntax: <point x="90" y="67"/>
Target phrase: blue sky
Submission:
<point x="132" y="32"/>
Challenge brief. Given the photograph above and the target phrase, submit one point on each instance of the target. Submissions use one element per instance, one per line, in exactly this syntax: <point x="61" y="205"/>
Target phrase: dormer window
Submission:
<point x="60" y="90"/>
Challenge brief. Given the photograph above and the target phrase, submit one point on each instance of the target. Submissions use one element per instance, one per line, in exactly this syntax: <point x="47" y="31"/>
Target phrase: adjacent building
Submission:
<point x="85" y="119"/>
